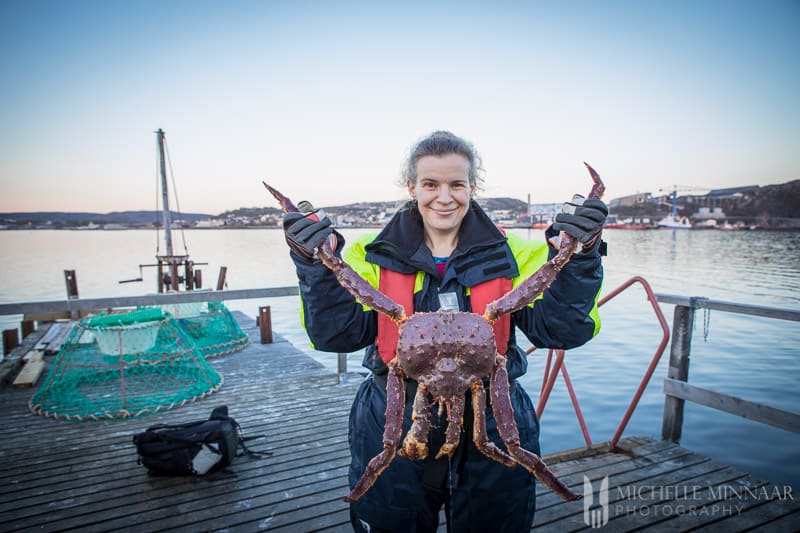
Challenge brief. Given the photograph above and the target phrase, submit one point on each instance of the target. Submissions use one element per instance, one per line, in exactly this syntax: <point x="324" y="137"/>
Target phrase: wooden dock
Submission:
<point x="65" y="475"/>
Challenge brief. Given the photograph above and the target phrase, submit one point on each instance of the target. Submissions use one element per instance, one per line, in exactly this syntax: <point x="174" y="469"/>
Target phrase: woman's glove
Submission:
<point x="583" y="219"/>
<point x="305" y="232"/>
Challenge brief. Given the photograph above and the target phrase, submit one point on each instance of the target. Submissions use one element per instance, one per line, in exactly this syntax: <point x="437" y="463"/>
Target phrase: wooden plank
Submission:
<point x="734" y="405"/>
<point x="757" y="514"/>
<point x="54" y="345"/>
<point x="789" y="522"/>
<point x="555" y="515"/>
<point x="650" y="509"/>
<point x="728" y="501"/>
<point x="52" y="333"/>
<point x="29" y="374"/>
<point x="50" y="316"/>
<point x="33" y="355"/>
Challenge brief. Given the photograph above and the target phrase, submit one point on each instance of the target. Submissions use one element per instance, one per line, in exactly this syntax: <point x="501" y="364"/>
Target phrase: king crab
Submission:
<point x="449" y="353"/>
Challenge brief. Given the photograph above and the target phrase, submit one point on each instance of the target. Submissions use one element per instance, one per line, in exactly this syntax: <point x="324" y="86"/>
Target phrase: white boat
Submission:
<point x="674" y="222"/>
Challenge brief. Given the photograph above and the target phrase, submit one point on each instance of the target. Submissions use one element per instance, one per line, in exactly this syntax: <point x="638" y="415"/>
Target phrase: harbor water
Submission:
<point x="753" y="358"/>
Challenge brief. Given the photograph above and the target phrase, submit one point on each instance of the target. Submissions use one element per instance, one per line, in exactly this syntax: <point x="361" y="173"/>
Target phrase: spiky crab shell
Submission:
<point x="446" y="351"/>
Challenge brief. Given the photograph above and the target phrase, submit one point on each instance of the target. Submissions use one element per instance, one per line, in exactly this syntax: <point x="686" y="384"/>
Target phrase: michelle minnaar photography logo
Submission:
<point x="666" y="501"/>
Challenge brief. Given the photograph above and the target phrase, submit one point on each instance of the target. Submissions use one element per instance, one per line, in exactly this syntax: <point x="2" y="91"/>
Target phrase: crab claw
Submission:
<point x="286" y="205"/>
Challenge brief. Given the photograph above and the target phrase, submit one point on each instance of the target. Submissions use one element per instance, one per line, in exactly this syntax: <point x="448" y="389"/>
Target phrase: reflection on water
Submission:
<point x="750" y="357"/>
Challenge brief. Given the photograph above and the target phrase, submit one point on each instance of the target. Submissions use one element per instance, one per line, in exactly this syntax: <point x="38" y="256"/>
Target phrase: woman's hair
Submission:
<point x="441" y="143"/>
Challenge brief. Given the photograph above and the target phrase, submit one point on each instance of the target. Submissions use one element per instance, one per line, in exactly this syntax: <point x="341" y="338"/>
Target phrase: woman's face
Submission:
<point x="442" y="191"/>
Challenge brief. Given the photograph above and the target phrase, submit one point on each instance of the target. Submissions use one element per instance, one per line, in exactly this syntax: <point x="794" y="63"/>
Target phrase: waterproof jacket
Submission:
<point x="564" y="317"/>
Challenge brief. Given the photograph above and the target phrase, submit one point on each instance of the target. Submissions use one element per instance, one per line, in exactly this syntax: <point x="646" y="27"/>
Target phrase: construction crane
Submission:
<point x="673" y="194"/>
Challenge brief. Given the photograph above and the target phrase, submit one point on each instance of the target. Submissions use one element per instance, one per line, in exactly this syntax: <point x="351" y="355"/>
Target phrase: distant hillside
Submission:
<point x="64" y="219"/>
<point x="756" y="202"/>
<point x="490" y="204"/>
<point x="772" y="200"/>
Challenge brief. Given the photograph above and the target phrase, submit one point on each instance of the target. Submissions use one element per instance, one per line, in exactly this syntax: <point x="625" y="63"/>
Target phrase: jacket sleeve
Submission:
<point x="566" y="315"/>
<point x="334" y="320"/>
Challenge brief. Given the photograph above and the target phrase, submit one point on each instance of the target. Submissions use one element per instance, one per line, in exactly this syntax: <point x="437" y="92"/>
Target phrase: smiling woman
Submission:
<point x="441" y="252"/>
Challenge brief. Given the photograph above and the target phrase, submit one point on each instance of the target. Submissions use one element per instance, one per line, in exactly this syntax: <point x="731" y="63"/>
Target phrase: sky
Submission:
<point x="324" y="99"/>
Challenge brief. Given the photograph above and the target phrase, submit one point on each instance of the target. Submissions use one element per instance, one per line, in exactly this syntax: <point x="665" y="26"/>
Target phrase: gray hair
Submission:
<point x="441" y="143"/>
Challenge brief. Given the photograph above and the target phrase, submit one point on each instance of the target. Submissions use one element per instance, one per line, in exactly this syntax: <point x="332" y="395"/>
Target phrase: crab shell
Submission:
<point x="446" y="351"/>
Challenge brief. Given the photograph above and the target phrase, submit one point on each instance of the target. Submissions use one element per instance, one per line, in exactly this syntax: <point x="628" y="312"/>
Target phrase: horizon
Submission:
<point x="324" y="100"/>
<point x="478" y="198"/>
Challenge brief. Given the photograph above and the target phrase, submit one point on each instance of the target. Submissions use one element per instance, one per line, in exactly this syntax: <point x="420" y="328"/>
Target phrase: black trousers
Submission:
<point x="476" y="493"/>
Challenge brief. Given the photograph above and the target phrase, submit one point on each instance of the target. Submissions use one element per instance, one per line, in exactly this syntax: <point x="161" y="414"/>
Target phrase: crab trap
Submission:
<point x="124" y="365"/>
<point x="211" y="325"/>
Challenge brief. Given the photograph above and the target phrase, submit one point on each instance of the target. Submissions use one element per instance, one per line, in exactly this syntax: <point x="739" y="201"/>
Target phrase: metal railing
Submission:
<point x="676" y="389"/>
<point x="551" y="373"/>
<point x="89" y="304"/>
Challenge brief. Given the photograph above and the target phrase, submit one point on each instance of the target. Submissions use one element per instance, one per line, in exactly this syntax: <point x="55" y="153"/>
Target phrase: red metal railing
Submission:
<point x="558" y="366"/>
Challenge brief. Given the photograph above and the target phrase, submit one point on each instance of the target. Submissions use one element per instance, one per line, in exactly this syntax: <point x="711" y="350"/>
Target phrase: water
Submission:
<point x="750" y="357"/>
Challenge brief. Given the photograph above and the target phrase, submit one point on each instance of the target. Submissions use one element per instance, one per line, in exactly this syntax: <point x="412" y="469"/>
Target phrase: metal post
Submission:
<point x="265" y="324"/>
<point x="166" y="216"/>
<point x="682" y="322"/>
<point x="342" y="363"/>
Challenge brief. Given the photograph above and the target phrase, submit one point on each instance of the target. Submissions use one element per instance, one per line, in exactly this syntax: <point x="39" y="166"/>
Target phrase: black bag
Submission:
<point x="196" y="448"/>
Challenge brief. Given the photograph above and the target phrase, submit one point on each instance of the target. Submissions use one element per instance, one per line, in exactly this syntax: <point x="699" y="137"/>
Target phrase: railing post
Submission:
<point x="682" y="322"/>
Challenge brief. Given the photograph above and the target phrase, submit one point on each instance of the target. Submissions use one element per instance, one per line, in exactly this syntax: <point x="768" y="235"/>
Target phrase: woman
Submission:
<point x="444" y="239"/>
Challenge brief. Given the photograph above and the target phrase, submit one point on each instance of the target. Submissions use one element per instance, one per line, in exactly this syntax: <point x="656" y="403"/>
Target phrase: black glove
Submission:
<point x="305" y="232"/>
<point x="583" y="219"/>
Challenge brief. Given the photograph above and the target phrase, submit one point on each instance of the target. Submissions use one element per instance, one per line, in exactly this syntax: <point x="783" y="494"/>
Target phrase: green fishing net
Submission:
<point x="211" y="325"/>
<point x="123" y="365"/>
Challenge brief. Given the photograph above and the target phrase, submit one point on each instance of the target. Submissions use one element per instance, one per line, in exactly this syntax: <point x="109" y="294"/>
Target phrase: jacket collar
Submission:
<point x="400" y="246"/>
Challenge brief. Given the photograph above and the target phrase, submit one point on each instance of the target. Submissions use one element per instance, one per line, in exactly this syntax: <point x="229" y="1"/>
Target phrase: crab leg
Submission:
<point x="415" y="445"/>
<point x="395" y="405"/>
<point x="507" y="427"/>
<point x="455" y="420"/>
<point x="348" y="278"/>
<point x="539" y="281"/>
<point x="479" y="435"/>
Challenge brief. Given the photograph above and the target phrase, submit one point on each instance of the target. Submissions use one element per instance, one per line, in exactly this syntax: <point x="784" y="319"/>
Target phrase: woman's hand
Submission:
<point x="583" y="219"/>
<point x="305" y="232"/>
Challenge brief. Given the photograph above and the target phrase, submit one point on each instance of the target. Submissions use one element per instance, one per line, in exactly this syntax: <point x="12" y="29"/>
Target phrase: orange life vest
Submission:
<point x="400" y="288"/>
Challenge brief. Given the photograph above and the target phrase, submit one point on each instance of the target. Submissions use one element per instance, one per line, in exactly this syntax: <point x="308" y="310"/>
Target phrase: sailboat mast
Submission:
<point x="165" y="217"/>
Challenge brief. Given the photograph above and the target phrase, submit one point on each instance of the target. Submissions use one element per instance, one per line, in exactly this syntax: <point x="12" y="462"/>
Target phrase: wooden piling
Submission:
<point x="265" y="324"/>
<point x="221" y="280"/>
<point x="28" y="327"/>
<point x="10" y="340"/>
<point x="72" y="284"/>
<point x="682" y="322"/>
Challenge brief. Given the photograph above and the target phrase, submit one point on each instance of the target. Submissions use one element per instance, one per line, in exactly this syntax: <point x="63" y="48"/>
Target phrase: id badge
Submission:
<point x="448" y="301"/>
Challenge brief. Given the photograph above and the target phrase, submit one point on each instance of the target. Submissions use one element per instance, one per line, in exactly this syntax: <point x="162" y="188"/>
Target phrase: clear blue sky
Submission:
<point x="324" y="98"/>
